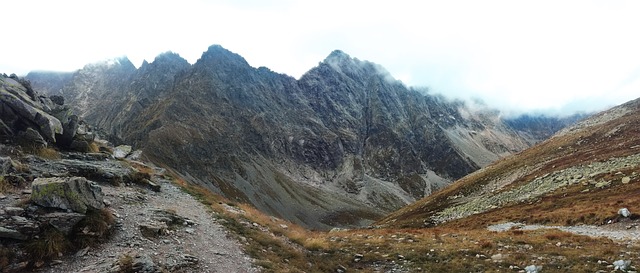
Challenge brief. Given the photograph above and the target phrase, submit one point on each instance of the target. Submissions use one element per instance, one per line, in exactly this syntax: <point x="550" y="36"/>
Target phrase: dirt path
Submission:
<point x="629" y="231"/>
<point x="198" y="244"/>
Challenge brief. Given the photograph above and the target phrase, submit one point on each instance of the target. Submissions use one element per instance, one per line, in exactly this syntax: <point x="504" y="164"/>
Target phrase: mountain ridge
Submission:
<point x="344" y="138"/>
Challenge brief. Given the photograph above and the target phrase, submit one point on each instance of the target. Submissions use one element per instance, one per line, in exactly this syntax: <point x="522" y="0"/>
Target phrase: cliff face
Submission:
<point x="340" y="146"/>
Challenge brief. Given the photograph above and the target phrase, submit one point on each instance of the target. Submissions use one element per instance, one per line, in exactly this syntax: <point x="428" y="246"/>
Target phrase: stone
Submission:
<point x="626" y="180"/>
<point x="6" y="165"/>
<point x="59" y="100"/>
<point x="62" y="221"/>
<point x="533" y="269"/>
<point x="70" y="126"/>
<point x="48" y="125"/>
<point x="121" y="151"/>
<point x="75" y="193"/>
<point x="153" y="230"/>
<point x="13" y="211"/>
<point x="32" y="138"/>
<point x="135" y="155"/>
<point x="624" y="212"/>
<point x="497" y="257"/>
<point x="169" y="217"/>
<point x="621" y="265"/>
<point x="80" y="146"/>
<point x="151" y="185"/>
<point x="7" y="233"/>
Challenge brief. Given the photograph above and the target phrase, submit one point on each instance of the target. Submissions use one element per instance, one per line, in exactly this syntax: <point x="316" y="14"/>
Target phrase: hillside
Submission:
<point x="341" y="146"/>
<point x="582" y="175"/>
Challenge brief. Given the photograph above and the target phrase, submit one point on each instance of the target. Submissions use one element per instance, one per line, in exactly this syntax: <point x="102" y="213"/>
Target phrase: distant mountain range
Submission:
<point x="341" y="146"/>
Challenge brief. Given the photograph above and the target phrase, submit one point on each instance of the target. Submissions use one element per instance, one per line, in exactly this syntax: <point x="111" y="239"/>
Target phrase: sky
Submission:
<point x="519" y="56"/>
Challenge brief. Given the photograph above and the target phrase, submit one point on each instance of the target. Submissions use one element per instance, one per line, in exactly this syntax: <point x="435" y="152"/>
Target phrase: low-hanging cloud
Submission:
<point x="518" y="56"/>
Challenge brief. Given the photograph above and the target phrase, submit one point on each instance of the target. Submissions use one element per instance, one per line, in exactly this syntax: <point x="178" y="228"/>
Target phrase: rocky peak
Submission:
<point x="120" y="63"/>
<point x="170" y="58"/>
<point x="217" y="56"/>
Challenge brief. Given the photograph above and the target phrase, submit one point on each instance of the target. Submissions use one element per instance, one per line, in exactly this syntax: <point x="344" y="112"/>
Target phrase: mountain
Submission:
<point x="341" y="146"/>
<point x="584" y="174"/>
<point x="537" y="128"/>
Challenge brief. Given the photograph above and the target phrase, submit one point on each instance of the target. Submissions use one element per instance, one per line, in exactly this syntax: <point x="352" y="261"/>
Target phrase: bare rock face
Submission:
<point x="76" y="194"/>
<point x="15" y="99"/>
<point x="341" y="146"/>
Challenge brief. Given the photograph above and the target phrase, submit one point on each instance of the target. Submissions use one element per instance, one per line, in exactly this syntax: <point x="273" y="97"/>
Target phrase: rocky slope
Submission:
<point x="584" y="174"/>
<point x="341" y="146"/>
<point x="69" y="202"/>
<point x="537" y="128"/>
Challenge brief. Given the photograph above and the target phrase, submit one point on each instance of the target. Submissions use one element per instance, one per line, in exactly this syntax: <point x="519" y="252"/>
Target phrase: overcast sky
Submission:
<point x="514" y="55"/>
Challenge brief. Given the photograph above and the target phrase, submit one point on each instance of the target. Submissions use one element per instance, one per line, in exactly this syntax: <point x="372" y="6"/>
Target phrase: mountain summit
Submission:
<point x="341" y="146"/>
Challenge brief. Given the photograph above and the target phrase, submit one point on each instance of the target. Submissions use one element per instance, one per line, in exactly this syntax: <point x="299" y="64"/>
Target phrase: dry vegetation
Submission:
<point x="280" y="246"/>
<point x="404" y="244"/>
<point x="617" y="138"/>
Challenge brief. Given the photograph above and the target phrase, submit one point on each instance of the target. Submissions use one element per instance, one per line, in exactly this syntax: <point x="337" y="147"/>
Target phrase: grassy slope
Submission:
<point x="619" y="137"/>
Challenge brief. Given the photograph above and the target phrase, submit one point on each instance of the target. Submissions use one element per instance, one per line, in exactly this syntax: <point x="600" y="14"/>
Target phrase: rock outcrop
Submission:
<point x="74" y="193"/>
<point x="34" y="120"/>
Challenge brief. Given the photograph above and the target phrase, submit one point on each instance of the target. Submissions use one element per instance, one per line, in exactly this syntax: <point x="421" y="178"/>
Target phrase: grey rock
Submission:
<point x="624" y="212"/>
<point x="62" y="221"/>
<point x="533" y="269"/>
<point x="168" y="217"/>
<point x="121" y="151"/>
<point x="11" y="234"/>
<point x="17" y="99"/>
<point x="59" y="100"/>
<point x="626" y="180"/>
<point x="32" y="138"/>
<point x="79" y="145"/>
<point x="76" y="194"/>
<point x="621" y="265"/>
<point x="13" y="211"/>
<point x="153" y="230"/>
<point x="70" y="126"/>
<point x="6" y="165"/>
<point x="135" y="155"/>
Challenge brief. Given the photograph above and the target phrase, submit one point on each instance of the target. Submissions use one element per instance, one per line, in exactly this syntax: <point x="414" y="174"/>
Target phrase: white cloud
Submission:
<point x="514" y="54"/>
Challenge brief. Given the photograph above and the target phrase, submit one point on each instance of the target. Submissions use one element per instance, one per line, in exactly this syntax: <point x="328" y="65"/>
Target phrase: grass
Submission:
<point x="94" y="228"/>
<point x="277" y="248"/>
<point x="125" y="264"/>
<point x="51" y="244"/>
<point x="47" y="153"/>
<point x="5" y="186"/>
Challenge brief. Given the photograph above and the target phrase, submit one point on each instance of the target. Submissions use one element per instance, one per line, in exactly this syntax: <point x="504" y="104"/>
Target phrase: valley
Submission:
<point x="343" y="170"/>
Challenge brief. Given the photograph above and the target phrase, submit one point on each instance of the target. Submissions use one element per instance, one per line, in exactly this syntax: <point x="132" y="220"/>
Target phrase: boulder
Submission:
<point x="48" y="126"/>
<point x="6" y="165"/>
<point x="624" y="212"/>
<point x="62" y="221"/>
<point x="533" y="269"/>
<point x="121" y="151"/>
<point x="32" y="138"/>
<point x="76" y="194"/>
<point x="70" y="127"/>
<point x="153" y="230"/>
<point x="59" y="100"/>
<point x="7" y="233"/>
<point x="621" y="265"/>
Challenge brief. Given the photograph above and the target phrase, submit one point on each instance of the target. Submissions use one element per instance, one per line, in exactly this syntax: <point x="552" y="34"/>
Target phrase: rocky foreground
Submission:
<point x="70" y="202"/>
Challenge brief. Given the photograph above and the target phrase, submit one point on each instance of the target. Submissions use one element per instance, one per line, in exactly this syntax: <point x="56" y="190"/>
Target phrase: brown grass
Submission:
<point x="94" y="229"/>
<point x="5" y="186"/>
<point x="48" y="153"/>
<point x="576" y="148"/>
<point x="461" y="247"/>
<point x="50" y="244"/>
<point x="94" y="147"/>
